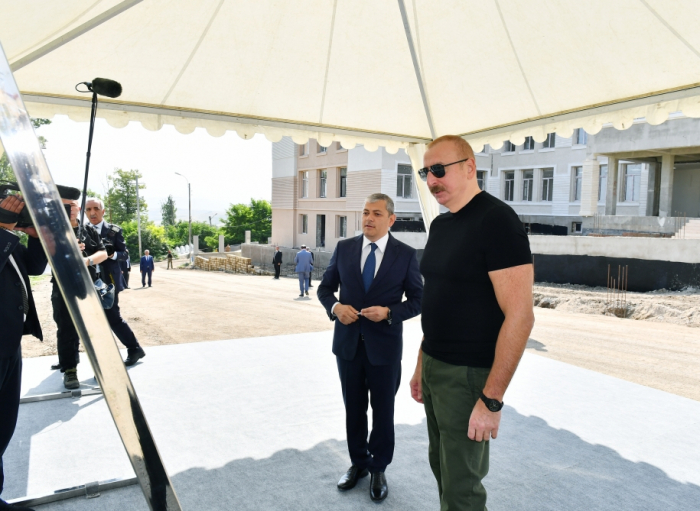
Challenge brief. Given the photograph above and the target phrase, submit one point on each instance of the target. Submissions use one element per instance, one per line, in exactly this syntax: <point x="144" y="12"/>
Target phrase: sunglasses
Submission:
<point x="438" y="169"/>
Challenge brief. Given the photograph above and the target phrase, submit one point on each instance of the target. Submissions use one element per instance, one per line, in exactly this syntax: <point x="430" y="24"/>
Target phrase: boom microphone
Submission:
<point x="104" y="87"/>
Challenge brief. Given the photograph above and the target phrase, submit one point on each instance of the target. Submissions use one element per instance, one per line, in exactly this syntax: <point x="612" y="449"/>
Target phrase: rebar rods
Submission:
<point x="616" y="296"/>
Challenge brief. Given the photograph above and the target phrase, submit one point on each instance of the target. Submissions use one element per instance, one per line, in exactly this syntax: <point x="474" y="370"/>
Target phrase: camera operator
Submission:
<point x="17" y="316"/>
<point x="111" y="272"/>
<point x="67" y="339"/>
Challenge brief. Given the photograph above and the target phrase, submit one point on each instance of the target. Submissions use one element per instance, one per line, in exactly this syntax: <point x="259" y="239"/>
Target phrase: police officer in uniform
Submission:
<point x="111" y="273"/>
<point x="67" y="339"/>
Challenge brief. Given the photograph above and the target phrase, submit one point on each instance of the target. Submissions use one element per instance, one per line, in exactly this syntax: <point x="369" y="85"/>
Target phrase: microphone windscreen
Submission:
<point x="68" y="192"/>
<point x="107" y="87"/>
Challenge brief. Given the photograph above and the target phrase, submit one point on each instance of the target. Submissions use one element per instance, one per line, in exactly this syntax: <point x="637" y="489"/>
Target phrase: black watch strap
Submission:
<point x="494" y="405"/>
<point x="388" y="317"/>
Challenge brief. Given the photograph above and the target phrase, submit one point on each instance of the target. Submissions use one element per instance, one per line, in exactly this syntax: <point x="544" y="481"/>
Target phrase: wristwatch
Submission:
<point x="90" y="261"/>
<point x="494" y="405"/>
<point x="388" y="316"/>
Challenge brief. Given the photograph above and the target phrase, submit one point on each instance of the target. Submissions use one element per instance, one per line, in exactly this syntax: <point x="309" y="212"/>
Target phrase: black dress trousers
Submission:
<point x="364" y="383"/>
<point x="10" y="386"/>
<point x="120" y="327"/>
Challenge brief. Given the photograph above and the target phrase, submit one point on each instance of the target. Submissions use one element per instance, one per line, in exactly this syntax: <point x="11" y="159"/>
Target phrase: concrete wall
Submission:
<point x="650" y="249"/>
<point x="686" y="190"/>
<point x="641" y="136"/>
<point x="416" y="240"/>
<point x="647" y="224"/>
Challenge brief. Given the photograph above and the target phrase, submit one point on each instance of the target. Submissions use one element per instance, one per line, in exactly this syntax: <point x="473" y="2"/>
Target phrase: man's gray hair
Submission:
<point x="376" y="197"/>
<point x="95" y="199"/>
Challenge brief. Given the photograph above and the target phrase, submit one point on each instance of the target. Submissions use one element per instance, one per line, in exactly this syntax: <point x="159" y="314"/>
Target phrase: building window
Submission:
<point x="404" y="181"/>
<point x="342" y="227"/>
<point x="481" y="179"/>
<point x="509" y="185"/>
<point x="550" y="141"/>
<point x="578" y="180"/>
<point x="321" y="149"/>
<point x="304" y="222"/>
<point x="322" y="183"/>
<point x="508" y="147"/>
<point x="485" y="150"/>
<point x="603" y="182"/>
<point x="633" y="176"/>
<point x="547" y="184"/>
<point x="343" y="182"/>
<point x="303" y="149"/>
<point x="304" y="185"/>
<point x="529" y="144"/>
<point x="580" y="136"/>
<point x="576" y="227"/>
<point x="528" y="182"/>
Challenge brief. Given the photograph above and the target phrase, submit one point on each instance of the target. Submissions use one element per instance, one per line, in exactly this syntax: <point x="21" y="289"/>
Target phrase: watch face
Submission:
<point x="493" y="405"/>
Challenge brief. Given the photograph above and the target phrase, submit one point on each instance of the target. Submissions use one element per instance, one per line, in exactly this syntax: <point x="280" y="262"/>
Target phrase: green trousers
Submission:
<point x="459" y="464"/>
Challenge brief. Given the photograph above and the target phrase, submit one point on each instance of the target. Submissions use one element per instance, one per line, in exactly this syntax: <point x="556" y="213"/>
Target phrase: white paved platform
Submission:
<point x="258" y="424"/>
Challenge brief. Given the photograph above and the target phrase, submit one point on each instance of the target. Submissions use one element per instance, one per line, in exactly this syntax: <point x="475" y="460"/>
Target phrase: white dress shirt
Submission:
<point x="378" y="255"/>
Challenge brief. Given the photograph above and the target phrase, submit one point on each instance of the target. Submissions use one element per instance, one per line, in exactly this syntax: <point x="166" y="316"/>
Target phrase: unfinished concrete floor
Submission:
<point x="186" y="306"/>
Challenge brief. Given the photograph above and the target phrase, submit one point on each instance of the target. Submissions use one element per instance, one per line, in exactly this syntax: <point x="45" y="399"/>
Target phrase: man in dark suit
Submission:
<point x="146" y="267"/>
<point x="277" y="262"/>
<point x="111" y="273"/>
<point x="17" y="316"/>
<point x="313" y="261"/>
<point x="126" y="269"/>
<point x="373" y="272"/>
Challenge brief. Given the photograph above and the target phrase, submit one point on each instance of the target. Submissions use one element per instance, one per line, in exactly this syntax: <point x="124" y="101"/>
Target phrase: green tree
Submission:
<point x="168" y="211"/>
<point x="120" y="200"/>
<point x="6" y="172"/>
<point x="177" y="235"/>
<point x="255" y="217"/>
<point x="153" y="239"/>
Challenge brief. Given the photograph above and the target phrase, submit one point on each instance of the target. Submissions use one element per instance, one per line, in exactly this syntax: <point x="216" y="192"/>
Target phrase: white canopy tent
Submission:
<point x="377" y="72"/>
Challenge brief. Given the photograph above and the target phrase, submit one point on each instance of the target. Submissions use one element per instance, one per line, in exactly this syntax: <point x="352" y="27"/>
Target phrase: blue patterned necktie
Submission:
<point x="370" y="265"/>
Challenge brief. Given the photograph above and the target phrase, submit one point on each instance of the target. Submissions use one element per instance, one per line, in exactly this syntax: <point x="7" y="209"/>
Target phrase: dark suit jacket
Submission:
<point x="277" y="258"/>
<point x="30" y="260"/>
<point x="398" y="274"/>
<point x="111" y="269"/>
<point x="146" y="263"/>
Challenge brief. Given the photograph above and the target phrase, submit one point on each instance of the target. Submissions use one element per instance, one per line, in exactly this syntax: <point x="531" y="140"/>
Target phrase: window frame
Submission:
<point x="342" y="182"/>
<point x="342" y="223"/>
<point x="403" y="177"/>
<point x="549" y="181"/>
<point x="508" y="177"/>
<point x="531" y="144"/>
<point x="636" y="183"/>
<point x="304" y="221"/>
<point x="528" y="185"/>
<point x="320" y="149"/>
<point x="603" y="182"/>
<point x="508" y="147"/>
<point x="322" y="183"/>
<point x="550" y="142"/>
<point x="304" y="185"/>
<point x="576" y="183"/>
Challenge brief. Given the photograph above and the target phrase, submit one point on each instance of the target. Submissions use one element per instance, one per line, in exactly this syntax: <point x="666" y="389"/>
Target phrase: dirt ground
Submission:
<point x="657" y="346"/>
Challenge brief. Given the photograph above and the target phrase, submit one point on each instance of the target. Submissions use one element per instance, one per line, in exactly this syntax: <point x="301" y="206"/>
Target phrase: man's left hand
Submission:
<point x="29" y="231"/>
<point x="483" y="423"/>
<point x="376" y="313"/>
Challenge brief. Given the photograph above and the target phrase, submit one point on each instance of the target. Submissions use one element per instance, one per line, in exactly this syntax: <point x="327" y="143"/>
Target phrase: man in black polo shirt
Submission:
<point x="476" y="317"/>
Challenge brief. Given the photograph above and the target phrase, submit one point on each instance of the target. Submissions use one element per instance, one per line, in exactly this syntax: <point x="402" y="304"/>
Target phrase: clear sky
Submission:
<point x="222" y="170"/>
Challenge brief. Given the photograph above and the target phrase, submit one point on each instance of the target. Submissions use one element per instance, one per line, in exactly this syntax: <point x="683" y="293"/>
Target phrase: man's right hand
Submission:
<point x="417" y="385"/>
<point x="346" y="314"/>
<point x="13" y="204"/>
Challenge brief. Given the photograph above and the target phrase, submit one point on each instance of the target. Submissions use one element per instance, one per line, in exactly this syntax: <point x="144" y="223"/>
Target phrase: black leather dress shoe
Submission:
<point x="133" y="356"/>
<point x="378" y="490"/>
<point x="350" y="478"/>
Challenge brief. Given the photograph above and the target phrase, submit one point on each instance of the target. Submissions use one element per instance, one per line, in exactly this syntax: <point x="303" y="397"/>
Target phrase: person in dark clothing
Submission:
<point x="374" y="271"/>
<point x="18" y="317"/>
<point x="312" y="262"/>
<point x="170" y="260"/>
<point x="277" y="262"/>
<point x="126" y="269"/>
<point x="67" y="340"/>
<point x="111" y="273"/>
<point x="476" y="322"/>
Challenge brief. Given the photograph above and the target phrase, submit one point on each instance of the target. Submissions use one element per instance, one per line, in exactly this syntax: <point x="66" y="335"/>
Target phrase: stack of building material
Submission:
<point x="201" y="262"/>
<point x="238" y="264"/>
<point x="217" y="264"/>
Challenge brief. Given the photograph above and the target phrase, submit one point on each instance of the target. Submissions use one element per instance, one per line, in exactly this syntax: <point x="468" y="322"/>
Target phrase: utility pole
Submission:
<point x="212" y="216"/>
<point x="138" y="215"/>
<point x="189" y="196"/>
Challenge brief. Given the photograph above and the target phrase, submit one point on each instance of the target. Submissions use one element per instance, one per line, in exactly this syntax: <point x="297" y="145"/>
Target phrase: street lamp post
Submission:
<point x="138" y="215"/>
<point x="212" y="216"/>
<point x="189" y="237"/>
